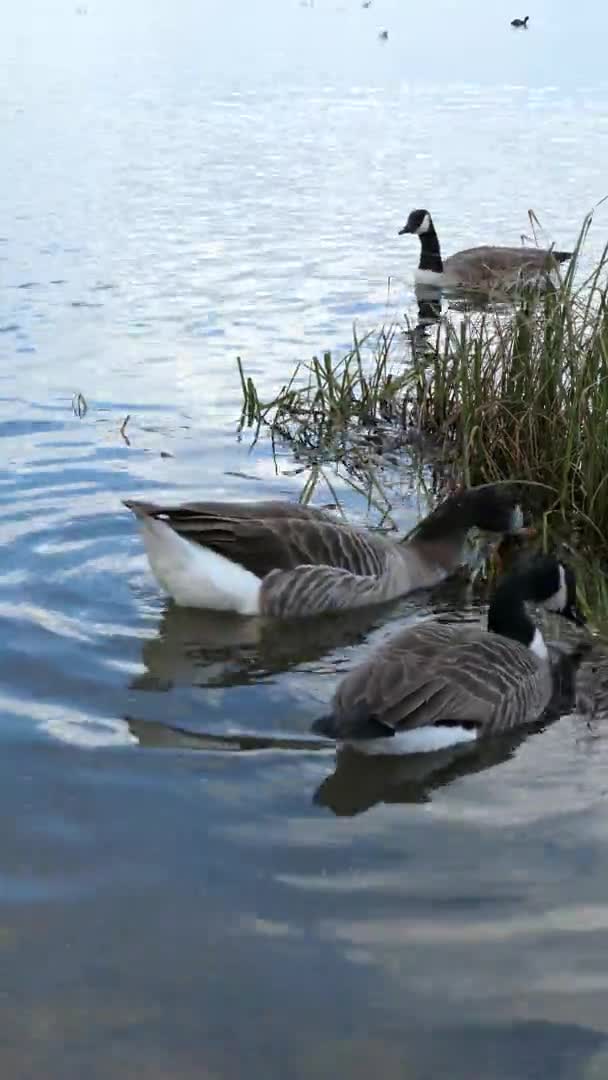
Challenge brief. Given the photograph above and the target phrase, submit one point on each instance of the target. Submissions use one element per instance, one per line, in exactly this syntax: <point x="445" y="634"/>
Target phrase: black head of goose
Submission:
<point x="287" y="560"/>
<point x="483" y="268"/>
<point x="436" y="683"/>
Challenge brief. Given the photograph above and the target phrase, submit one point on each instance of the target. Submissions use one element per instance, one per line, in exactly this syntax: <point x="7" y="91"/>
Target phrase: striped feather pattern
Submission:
<point x="308" y="563"/>
<point x="436" y="673"/>
<point x="488" y="266"/>
<point x="592" y="686"/>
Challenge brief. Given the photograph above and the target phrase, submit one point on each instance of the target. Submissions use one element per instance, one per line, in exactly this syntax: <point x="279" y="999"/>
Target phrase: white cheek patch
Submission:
<point x="559" y="600"/>
<point x="425" y="225"/>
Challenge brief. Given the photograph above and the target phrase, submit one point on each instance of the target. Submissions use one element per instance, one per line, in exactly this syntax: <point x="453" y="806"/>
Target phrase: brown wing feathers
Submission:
<point x="271" y="536"/>
<point x="426" y="674"/>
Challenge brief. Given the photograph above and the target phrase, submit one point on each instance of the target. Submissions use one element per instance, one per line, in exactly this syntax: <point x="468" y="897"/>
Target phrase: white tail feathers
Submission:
<point x="194" y="575"/>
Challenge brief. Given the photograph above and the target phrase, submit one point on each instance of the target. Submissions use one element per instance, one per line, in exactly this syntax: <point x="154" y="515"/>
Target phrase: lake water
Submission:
<point x="188" y="886"/>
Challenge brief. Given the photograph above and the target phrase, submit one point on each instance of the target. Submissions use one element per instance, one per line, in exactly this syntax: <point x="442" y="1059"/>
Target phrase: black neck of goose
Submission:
<point x="430" y="252"/>
<point x="507" y="615"/>
<point x="441" y="536"/>
<point x="452" y="518"/>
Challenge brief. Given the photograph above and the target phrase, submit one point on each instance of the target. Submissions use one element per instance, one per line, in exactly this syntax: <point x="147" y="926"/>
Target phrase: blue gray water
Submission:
<point x="187" y="887"/>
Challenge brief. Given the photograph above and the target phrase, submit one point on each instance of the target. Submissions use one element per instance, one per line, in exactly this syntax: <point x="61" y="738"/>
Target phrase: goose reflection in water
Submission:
<point x="360" y="782"/>
<point x="194" y="647"/>
<point x="428" y="300"/>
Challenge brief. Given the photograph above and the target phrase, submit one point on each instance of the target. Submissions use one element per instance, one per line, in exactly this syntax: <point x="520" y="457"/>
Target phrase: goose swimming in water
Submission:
<point x="436" y="684"/>
<point x="479" y="267"/>
<point x="520" y="24"/>
<point x="285" y="559"/>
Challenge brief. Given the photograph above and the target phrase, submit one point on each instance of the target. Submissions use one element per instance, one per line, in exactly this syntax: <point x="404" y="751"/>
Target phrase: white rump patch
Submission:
<point x="538" y="647"/>
<point x="195" y="576"/>
<point x="422" y="740"/>
<point x="559" y="600"/>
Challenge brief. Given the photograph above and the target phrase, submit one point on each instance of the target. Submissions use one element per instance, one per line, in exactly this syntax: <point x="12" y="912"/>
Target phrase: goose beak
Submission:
<point x="574" y="614"/>
<point x="405" y="229"/>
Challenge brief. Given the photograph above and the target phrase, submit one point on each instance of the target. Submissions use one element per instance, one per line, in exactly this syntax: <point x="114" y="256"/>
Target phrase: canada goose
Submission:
<point x="436" y="684"/>
<point x="366" y="3"/>
<point x="478" y="267"/>
<point x="520" y="22"/>
<point x="284" y="559"/>
<point x="383" y="35"/>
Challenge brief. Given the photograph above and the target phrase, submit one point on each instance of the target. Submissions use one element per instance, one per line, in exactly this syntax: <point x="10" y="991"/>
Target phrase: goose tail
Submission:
<point x="325" y="726"/>
<point x="195" y="576"/>
<point x="561" y="256"/>
<point x="140" y="509"/>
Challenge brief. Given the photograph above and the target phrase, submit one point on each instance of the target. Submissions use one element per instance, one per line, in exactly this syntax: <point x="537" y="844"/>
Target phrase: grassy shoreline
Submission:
<point x="515" y="391"/>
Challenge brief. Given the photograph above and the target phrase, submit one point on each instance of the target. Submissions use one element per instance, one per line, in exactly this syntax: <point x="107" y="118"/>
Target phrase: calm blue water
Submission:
<point x="187" y="887"/>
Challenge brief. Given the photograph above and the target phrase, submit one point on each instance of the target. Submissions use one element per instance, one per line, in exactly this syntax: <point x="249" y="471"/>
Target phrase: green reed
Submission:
<point x="515" y="391"/>
<point x="325" y="396"/>
<point x="526" y="396"/>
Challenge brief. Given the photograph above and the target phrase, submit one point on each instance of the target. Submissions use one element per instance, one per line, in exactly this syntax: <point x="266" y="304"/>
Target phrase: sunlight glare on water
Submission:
<point x="190" y="885"/>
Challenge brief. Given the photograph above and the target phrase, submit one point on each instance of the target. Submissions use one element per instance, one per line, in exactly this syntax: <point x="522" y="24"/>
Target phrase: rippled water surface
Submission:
<point x="189" y="886"/>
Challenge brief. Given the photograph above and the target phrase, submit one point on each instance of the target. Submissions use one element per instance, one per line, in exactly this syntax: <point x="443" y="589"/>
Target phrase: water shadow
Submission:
<point x="155" y="735"/>
<point x="208" y="648"/>
<point x="194" y="647"/>
<point x="360" y="782"/>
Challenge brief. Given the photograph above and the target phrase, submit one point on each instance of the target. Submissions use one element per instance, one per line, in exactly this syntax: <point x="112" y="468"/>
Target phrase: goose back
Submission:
<point x="278" y="558"/>
<point x="492" y="265"/>
<point x="435" y="671"/>
<point x="269" y="536"/>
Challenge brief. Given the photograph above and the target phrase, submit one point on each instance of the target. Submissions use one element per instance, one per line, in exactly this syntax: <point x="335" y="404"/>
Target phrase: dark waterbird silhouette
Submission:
<point x="520" y="24"/>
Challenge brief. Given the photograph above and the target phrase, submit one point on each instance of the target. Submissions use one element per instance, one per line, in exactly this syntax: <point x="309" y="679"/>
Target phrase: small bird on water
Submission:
<point x="520" y="23"/>
<point x="383" y="35"/>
